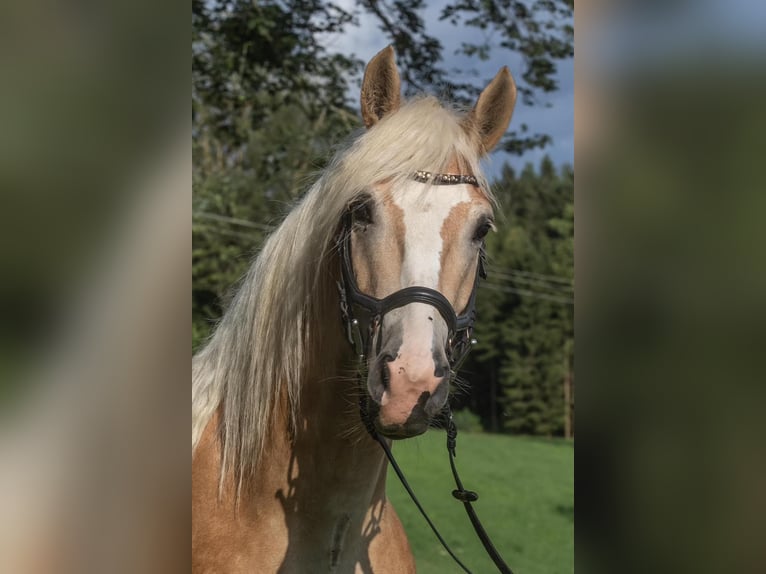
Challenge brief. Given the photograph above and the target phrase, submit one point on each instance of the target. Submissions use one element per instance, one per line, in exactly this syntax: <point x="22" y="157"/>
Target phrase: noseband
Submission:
<point x="354" y="304"/>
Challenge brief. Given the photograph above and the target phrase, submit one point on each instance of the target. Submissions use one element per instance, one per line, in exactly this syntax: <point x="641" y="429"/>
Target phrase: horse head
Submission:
<point x="414" y="248"/>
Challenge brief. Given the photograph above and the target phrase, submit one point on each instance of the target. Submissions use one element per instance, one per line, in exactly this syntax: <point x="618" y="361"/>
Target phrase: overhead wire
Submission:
<point x="528" y="293"/>
<point x="532" y="275"/>
<point x="233" y="220"/>
<point x="502" y="277"/>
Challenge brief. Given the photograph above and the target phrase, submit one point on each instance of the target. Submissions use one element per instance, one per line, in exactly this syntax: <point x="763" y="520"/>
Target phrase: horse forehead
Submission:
<point x="424" y="210"/>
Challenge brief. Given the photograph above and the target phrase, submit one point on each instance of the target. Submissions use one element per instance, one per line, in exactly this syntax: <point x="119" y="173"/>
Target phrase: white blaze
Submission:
<point x="424" y="215"/>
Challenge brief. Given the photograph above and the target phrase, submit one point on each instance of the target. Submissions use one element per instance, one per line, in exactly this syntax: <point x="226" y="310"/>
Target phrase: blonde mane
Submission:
<point x="265" y="345"/>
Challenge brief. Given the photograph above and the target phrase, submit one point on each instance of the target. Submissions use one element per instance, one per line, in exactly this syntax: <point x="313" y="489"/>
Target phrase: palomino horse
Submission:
<point x="284" y="477"/>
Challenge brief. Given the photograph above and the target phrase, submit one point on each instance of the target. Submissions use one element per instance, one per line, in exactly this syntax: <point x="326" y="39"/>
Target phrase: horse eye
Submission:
<point x="482" y="230"/>
<point x="361" y="211"/>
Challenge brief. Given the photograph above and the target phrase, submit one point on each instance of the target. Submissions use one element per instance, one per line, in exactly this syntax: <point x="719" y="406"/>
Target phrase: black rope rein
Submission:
<point x="460" y="493"/>
<point x="469" y="496"/>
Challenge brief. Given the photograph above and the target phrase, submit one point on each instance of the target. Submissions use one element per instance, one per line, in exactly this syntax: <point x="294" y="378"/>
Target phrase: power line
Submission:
<point x="508" y="278"/>
<point x="527" y="293"/>
<point x="233" y="220"/>
<point x="552" y="278"/>
<point x="228" y="232"/>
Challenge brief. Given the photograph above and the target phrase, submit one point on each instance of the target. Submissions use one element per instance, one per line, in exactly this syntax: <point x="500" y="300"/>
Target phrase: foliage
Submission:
<point x="250" y="58"/>
<point x="526" y="501"/>
<point x="467" y="421"/>
<point x="235" y="206"/>
<point x="525" y="312"/>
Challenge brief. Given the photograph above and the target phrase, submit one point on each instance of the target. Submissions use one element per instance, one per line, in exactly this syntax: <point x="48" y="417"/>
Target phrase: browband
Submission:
<point x="444" y="178"/>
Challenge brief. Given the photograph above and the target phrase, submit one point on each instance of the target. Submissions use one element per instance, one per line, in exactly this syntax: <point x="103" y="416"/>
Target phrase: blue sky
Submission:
<point x="557" y="120"/>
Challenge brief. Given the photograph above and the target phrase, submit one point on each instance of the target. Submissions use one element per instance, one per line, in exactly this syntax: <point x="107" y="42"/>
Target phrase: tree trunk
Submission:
<point x="568" y="426"/>
<point x="493" y="400"/>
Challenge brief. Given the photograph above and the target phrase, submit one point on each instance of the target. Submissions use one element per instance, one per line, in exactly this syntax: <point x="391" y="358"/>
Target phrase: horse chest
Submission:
<point x="351" y="544"/>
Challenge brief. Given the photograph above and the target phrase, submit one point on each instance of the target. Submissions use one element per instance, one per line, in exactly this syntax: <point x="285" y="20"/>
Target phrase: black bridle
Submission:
<point x="356" y="305"/>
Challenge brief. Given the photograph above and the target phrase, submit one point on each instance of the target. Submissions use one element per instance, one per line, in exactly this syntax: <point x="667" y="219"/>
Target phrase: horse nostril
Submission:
<point x="441" y="370"/>
<point x="384" y="359"/>
<point x="385" y="376"/>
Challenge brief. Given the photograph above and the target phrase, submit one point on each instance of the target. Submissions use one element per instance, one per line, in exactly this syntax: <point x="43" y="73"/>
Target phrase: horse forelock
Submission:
<point x="265" y="346"/>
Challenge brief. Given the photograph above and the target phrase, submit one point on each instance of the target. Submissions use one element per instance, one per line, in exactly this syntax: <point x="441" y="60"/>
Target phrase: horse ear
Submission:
<point x="490" y="117"/>
<point x="380" y="88"/>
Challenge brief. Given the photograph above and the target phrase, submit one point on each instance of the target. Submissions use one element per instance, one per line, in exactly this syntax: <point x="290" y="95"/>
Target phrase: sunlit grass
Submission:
<point x="526" y="501"/>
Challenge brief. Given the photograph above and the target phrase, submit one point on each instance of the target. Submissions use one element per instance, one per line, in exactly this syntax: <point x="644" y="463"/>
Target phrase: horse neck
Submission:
<point x="329" y="466"/>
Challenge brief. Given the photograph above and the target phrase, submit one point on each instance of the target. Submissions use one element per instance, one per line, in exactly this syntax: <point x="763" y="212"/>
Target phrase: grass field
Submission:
<point x="526" y="501"/>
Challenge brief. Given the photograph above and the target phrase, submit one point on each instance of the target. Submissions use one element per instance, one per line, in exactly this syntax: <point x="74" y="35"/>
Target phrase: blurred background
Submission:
<point x="671" y="313"/>
<point x="96" y="213"/>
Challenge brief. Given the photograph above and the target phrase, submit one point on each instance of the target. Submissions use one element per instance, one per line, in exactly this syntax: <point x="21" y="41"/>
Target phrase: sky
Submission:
<point x="556" y="120"/>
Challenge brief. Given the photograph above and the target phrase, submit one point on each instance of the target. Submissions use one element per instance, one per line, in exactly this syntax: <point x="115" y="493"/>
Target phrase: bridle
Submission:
<point x="363" y="314"/>
<point x="362" y="317"/>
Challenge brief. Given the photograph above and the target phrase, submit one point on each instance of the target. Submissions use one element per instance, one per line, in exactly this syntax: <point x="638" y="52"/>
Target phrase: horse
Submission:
<point x="285" y="477"/>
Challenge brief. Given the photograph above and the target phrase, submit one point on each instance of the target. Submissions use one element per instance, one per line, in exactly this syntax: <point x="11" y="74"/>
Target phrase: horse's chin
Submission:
<point x="408" y="429"/>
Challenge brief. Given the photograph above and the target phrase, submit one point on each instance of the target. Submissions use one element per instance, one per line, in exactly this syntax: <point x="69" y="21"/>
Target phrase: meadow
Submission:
<point x="526" y="501"/>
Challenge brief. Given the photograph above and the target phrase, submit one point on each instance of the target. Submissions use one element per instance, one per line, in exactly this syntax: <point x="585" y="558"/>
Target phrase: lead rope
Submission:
<point x="382" y="442"/>
<point x="469" y="496"/>
<point x="465" y="496"/>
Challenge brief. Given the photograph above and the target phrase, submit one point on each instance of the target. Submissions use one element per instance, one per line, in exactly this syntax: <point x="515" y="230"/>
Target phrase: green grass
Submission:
<point x="526" y="501"/>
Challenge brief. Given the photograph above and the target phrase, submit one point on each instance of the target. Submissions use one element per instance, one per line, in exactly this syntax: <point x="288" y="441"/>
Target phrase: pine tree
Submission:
<point x="525" y="311"/>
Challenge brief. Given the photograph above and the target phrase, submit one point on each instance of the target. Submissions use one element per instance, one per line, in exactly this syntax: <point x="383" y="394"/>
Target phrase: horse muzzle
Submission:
<point x="408" y="383"/>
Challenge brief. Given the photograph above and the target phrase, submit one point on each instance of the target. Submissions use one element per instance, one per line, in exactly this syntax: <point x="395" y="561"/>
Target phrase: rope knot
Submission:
<point x="465" y="495"/>
<point x="451" y="436"/>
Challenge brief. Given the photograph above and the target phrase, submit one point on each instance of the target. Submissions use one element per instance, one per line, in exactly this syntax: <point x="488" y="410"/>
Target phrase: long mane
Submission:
<point x="264" y="346"/>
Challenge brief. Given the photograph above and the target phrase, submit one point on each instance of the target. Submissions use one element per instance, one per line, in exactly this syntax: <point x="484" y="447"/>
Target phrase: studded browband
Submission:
<point x="444" y="178"/>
